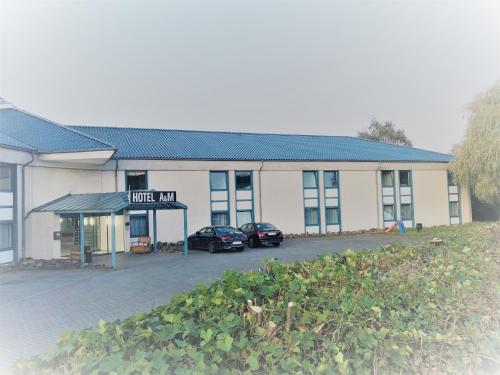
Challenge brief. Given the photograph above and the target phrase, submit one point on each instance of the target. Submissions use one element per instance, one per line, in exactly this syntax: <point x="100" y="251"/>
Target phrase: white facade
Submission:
<point x="278" y="195"/>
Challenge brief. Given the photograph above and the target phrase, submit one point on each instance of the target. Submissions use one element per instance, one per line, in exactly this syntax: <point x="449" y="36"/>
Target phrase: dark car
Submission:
<point x="262" y="233"/>
<point x="217" y="238"/>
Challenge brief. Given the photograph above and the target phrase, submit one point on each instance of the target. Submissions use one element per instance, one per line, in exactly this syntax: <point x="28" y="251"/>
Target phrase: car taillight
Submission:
<point x="260" y="234"/>
<point x="225" y="238"/>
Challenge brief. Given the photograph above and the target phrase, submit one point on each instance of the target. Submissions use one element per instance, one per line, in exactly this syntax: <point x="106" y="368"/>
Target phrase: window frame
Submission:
<point x="317" y="217"/>
<point x="227" y="201"/>
<point x="146" y="177"/>
<point x="225" y="173"/>
<point x="316" y="177"/>
<point x="11" y="223"/>
<point x="393" y="213"/>
<point x="11" y="178"/>
<point x="251" y="200"/>
<point x="147" y="225"/>
<point x="391" y="172"/>
<point x="411" y="211"/>
<point x="336" y="185"/>
<point x="409" y="184"/>
<point x="337" y="209"/>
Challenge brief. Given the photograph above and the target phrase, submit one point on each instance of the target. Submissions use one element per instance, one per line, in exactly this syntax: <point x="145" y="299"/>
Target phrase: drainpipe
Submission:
<point x="378" y="194"/>
<point x="260" y="190"/>
<point x="23" y="206"/>
<point x="116" y="175"/>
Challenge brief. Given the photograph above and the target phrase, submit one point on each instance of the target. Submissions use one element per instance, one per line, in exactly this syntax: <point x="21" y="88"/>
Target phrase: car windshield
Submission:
<point x="265" y="226"/>
<point x="226" y="230"/>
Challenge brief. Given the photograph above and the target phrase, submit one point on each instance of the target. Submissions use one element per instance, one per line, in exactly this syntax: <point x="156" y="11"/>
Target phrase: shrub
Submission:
<point x="403" y="309"/>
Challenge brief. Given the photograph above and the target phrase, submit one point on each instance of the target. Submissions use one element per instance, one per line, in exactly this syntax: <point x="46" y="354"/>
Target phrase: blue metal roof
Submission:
<point x="14" y="143"/>
<point x="19" y="129"/>
<point x="138" y="143"/>
<point x="101" y="203"/>
<point x="22" y="130"/>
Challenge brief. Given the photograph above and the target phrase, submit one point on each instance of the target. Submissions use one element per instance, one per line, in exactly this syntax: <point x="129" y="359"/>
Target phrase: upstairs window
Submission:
<point x="331" y="180"/>
<point x="136" y="180"/>
<point x="310" y="180"/>
<point x="218" y="180"/>
<point x="452" y="180"/>
<point x="404" y="178"/>
<point x="387" y="179"/>
<point x="243" y="180"/>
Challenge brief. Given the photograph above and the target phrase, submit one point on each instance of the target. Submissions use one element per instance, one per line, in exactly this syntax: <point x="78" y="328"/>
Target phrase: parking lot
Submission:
<point x="35" y="306"/>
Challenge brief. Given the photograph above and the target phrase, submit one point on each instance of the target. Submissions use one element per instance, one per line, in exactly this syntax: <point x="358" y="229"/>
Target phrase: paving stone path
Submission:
<point x="35" y="306"/>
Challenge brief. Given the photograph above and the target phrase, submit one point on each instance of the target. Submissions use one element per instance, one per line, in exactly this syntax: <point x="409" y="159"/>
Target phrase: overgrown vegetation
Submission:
<point x="477" y="159"/>
<point x="404" y="309"/>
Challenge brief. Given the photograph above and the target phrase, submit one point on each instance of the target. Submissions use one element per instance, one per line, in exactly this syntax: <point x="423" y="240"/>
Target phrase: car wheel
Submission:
<point x="240" y="249"/>
<point x="276" y="244"/>
<point x="211" y="248"/>
<point x="251" y="242"/>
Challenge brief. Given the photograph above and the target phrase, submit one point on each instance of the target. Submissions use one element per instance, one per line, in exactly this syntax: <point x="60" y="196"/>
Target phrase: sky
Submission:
<point x="303" y="67"/>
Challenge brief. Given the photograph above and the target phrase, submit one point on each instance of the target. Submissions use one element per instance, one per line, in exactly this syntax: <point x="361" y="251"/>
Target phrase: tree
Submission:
<point x="477" y="160"/>
<point x="385" y="133"/>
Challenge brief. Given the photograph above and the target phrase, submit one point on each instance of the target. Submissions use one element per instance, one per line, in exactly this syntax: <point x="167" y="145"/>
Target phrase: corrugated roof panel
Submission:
<point x="91" y="203"/>
<point x="44" y="135"/>
<point x="134" y="143"/>
<point x="10" y="142"/>
<point x="101" y="203"/>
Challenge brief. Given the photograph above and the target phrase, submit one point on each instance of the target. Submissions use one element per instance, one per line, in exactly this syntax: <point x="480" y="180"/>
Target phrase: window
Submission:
<point x="454" y="209"/>
<point x="388" y="212"/>
<point x="218" y="180"/>
<point x="406" y="213"/>
<point x="311" y="216"/>
<point x="265" y="226"/>
<point x="387" y="179"/>
<point x="332" y="215"/>
<point x="404" y="178"/>
<point x="136" y="180"/>
<point x="5" y="178"/>
<point x="244" y="180"/>
<point x="310" y="180"/>
<point x="243" y="217"/>
<point x="331" y="180"/>
<point x="452" y="180"/>
<point x="139" y="225"/>
<point x="5" y="235"/>
<point x="219" y="218"/>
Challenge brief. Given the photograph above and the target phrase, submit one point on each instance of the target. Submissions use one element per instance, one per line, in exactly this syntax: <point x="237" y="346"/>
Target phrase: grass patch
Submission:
<point x="414" y="308"/>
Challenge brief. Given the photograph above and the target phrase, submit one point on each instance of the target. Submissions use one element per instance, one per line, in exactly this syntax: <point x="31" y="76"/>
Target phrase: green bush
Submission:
<point x="403" y="309"/>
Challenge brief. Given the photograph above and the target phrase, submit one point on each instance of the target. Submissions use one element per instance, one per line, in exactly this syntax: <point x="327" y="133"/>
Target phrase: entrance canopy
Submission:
<point x="112" y="204"/>
<point x="106" y="203"/>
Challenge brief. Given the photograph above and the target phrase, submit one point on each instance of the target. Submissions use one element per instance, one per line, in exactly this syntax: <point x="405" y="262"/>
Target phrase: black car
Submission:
<point x="217" y="238"/>
<point x="262" y="233"/>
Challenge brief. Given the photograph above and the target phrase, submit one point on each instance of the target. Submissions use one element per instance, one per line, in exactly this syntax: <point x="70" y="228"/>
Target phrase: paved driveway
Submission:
<point x="35" y="306"/>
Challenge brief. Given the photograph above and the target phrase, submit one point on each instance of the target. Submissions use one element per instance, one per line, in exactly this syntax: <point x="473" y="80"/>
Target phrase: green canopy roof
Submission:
<point x="102" y="203"/>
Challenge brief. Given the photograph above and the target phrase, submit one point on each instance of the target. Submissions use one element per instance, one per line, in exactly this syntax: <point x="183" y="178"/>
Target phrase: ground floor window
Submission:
<point x="454" y="210"/>
<point x="332" y="215"/>
<point x="243" y="217"/>
<point x="311" y="216"/>
<point x="220" y="218"/>
<point x="389" y="212"/>
<point x="139" y="225"/>
<point x="406" y="213"/>
<point x="5" y="236"/>
<point x="97" y="234"/>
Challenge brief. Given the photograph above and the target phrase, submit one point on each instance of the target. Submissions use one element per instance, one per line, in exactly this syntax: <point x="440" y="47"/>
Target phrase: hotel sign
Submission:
<point x="139" y="196"/>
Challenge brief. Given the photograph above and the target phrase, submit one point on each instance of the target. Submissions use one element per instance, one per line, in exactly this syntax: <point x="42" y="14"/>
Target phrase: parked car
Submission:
<point x="262" y="233"/>
<point x="215" y="238"/>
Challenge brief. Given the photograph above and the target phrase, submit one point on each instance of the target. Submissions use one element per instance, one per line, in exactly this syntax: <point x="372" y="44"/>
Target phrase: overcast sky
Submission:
<point x="288" y="67"/>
